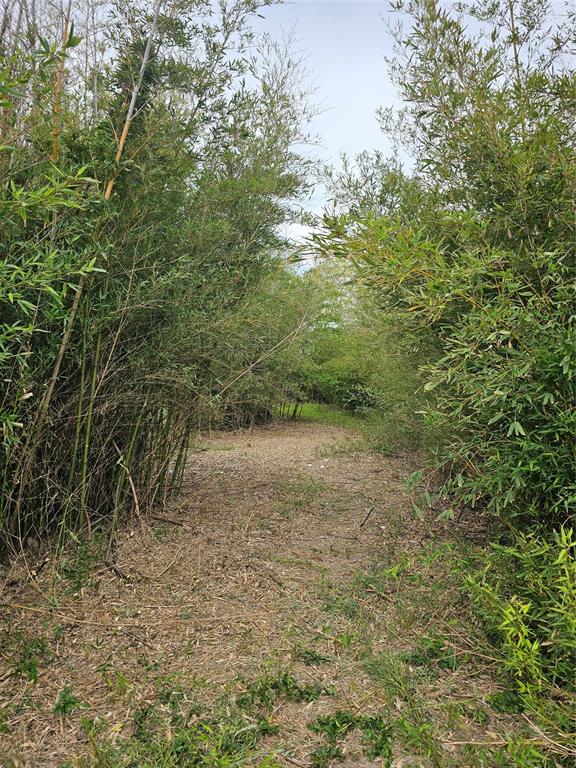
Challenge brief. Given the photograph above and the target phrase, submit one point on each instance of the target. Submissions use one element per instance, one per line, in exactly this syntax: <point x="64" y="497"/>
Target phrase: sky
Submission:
<point x="345" y="42"/>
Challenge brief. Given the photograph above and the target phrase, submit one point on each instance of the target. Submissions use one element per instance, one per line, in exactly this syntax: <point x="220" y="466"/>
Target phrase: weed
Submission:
<point x="213" y="743"/>
<point x="344" y="640"/>
<point x="161" y="531"/>
<point x="146" y="720"/>
<point x="508" y="701"/>
<point x="389" y="670"/>
<point x="77" y="568"/>
<point x="170" y="734"/>
<point x="334" y="727"/>
<point x="478" y="714"/>
<point x="376" y="736"/>
<point x="344" y="604"/>
<point x="118" y="684"/>
<point x="267" y="689"/>
<point x="324" y="754"/>
<point x="418" y="732"/>
<point x="378" y="579"/>
<point x="29" y="654"/>
<point x="67" y="703"/>
<point x="151" y="665"/>
<point x="14" y="708"/>
<point x="432" y="651"/>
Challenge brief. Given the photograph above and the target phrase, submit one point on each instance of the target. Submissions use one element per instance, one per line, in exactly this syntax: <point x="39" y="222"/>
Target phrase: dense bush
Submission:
<point x="530" y="589"/>
<point x="353" y="358"/>
<point x="504" y="383"/>
<point x="145" y="165"/>
<point x="475" y="251"/>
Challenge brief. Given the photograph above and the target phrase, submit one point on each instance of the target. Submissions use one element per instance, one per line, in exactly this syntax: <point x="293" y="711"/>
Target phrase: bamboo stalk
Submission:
<point x="79" y="409"/>
<point x="59" y="86"/>
<point x="132" y="105"/>
<point x="34" y="437"/>
<point x="87" y="434"/>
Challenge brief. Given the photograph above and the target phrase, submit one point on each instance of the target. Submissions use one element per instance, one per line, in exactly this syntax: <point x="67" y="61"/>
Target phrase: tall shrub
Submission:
<point x="129" y="253"/>
<point x="475" y="250"/>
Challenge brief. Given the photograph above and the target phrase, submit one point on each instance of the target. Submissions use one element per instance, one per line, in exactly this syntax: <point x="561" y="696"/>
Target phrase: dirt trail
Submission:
<point x="261" y="565"/>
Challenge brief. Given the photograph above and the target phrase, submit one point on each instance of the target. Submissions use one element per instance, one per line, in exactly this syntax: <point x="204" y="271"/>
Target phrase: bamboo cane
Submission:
<point x="59" y="86"/>
<point x="132" y="105"/>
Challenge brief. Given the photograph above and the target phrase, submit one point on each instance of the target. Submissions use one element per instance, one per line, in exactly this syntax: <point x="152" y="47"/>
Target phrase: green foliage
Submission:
<point x="376" y="736"/>
<point x="132" y="319"/>
<point x="268" y="688"/>
<point x="173" y="733"/>
<point x="431" y="651"/>
<point x="528" y="594"/>
<point x="506" y="701"/>
<point x="309" y="656"/>
<point x="353" y="359"/>
<point x="482" y="259"/>
<point x="473" y="254"/>
<point x="504" y="388"/>
<point x="322" y="413"/>
<point x="77" y="566"/>
<point x="207" y="743"/>
<point x="29" y="654"/>
<point x="325" y="754"/>
<point x="67" y="703"/>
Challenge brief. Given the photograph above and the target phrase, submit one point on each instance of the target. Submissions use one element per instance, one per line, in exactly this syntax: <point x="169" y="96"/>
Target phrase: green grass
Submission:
<point x="432" y="652"/>
<point x="321" y="413"/>
<point x="376" y="429"/>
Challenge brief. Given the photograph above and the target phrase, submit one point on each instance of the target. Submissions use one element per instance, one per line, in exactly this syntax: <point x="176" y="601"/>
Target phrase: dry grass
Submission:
<point x="279" y="556"/>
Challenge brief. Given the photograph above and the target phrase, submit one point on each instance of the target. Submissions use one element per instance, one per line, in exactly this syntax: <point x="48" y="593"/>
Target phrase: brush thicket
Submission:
<point x="141" y="184"/>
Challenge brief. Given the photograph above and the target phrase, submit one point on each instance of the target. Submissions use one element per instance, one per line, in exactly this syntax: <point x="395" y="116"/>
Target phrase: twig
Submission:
<point x="59" y="86"/>
<point x="286" y="340"/>
<point x="366" y="517"/>
<point x="117" y="570"/>
<point x="176" y="556"/>
<point x="561" y="747"/>
<point x="34" y="436"/>
<point x="171" y="520"/>
<point x="498" y="743"/>
<point x="294" y="761"/>
<point x="132" y="486"/>
<point x="119" y="624"/>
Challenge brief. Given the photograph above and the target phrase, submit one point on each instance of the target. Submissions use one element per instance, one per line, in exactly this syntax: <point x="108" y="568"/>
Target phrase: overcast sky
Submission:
<point x="345" y="42"/>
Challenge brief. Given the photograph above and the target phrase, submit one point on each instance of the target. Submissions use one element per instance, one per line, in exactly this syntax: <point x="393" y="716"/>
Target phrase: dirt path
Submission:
<point x="291" y="576"/>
